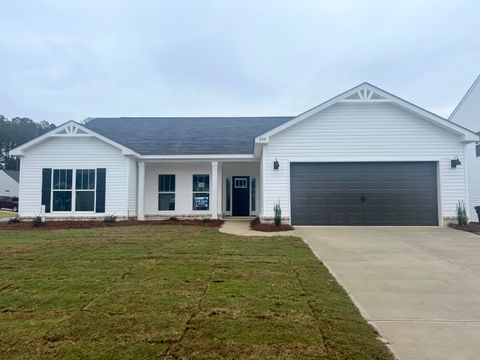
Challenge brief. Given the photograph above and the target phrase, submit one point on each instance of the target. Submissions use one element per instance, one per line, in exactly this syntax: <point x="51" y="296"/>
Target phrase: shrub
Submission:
<point x="462" y="218"/>
<point x="39" y="221"/>
<point x="14" y="220"/>
<point x="110" y="219"/>
<point x="278" y="214"/>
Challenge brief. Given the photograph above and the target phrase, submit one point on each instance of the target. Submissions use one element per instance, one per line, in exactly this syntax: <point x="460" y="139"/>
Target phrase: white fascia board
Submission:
<point x="198" y="157"/>
<point x="467" y="135"/>
<point x="19" y="150"/>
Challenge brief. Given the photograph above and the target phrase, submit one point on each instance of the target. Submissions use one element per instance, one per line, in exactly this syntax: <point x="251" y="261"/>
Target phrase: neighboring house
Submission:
<point x="9" y="183"/>
<point x="467" y="113"/>
<point x="364" y="157"/>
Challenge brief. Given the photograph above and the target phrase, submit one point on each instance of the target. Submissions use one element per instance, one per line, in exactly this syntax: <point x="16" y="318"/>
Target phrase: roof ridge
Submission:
<point x="193" y="117"/>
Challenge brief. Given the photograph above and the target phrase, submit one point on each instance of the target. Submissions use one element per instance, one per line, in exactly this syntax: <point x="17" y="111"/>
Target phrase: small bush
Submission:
<point x="462" y="218"/>
<point x="110" y="219"/>
<point x="278" y="214"/>
<point x="173" y="218"/>
<point x="39" y="221"/>
<point x="14" y="220"/>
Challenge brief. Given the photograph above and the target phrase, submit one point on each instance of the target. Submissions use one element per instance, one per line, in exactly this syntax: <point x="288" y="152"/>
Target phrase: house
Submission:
<point x="467" y="113"/>
<point x="9" y="183"/>
<point x="364" y="157"/>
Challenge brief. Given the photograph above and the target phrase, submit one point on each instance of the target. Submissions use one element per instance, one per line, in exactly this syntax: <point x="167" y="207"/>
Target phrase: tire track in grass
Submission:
<point x="171" y="351"/>
<point x="312" y="312"/>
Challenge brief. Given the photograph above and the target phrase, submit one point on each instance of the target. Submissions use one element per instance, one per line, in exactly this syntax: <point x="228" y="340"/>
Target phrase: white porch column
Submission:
<point x="141" y="191"/>
<point x="214" y="191"/>
<point x="220" y="189"/>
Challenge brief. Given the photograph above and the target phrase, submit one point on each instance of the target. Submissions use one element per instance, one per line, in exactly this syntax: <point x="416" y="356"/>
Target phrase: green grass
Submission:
<point x="172" y="292"/>
<point x="7" y="214"/>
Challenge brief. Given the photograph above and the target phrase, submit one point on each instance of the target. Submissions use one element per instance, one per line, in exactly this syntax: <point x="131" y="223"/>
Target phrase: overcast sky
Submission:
<point x="69" y="60"/>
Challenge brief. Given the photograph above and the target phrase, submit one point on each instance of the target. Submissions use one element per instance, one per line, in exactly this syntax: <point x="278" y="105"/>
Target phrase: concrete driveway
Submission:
<point x="420" y="286"/>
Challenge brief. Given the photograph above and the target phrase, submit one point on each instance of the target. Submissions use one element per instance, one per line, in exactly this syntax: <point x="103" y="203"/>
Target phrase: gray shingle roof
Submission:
<point x="186" y="136"/>
<point x="14" y="174"/>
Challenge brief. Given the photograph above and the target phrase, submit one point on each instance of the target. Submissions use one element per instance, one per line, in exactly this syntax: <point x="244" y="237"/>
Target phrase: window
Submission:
<point x="201" y="193"/>
<point x="228" y="188"/>
<point x="241" y="183"/>
<point x="166" y="192"/>
<point x="68" y="195"/>
<point x="85" y="190"/>
<point x="62" y="190"/>
<point x="477" y="149"/>
<point x="254" y="195"/>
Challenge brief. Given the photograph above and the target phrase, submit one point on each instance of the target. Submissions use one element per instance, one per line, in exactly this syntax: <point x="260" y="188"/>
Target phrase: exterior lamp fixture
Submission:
<point x="276" y="164"/>
<point x="455" y="162"/>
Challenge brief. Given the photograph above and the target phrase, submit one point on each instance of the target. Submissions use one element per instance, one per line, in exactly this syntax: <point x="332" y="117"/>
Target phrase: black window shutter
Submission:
<point x="46" y="188"/>
<point x="100" y="204"/>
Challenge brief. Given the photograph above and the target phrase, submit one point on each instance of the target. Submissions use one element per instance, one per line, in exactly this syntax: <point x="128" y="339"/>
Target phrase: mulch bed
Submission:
<point x="473" y="227"/>
<point x="87" y="224"/>
<point x="255" y="224"/>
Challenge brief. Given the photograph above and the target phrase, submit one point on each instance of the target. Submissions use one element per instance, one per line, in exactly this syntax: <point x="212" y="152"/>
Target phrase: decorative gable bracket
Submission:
<point x="365" y="95"/>
<point x="70" y="130"/>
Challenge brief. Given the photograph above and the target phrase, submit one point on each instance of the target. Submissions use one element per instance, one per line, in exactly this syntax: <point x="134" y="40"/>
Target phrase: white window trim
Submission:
<point x="201" y="192"/>
<point x="229" y="188"/>
<point x="167" y="192"/>
<point x="242" y="182"/>
<point x="73" y="190"/>
<point x="252" y="203"/>
<point x="74" y="181"/>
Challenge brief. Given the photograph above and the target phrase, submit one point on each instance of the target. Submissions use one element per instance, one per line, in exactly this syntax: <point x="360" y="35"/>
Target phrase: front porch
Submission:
<point x="198" y="189"/>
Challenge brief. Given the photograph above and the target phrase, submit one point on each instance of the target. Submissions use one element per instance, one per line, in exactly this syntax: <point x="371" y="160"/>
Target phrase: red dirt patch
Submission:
<point x="255" y="224"/>
<point x="80" y="224"/>
<point x="473" y="227"/>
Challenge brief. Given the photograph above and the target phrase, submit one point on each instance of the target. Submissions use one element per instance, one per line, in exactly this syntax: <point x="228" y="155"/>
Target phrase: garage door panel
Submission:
<point x="385" y="193"/>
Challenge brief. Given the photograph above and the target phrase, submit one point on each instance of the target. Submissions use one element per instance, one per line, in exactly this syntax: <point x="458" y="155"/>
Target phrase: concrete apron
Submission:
<point x="419" y="286"/>
<point x="241" y="227"/>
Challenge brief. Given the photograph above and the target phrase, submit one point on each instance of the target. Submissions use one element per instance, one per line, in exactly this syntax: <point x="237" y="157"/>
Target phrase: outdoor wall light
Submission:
<point x="455" y="162"/>
<point x="276" y="164"/>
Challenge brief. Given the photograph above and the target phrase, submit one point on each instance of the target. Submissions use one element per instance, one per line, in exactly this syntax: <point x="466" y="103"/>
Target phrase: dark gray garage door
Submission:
<point x="380" y="193"/>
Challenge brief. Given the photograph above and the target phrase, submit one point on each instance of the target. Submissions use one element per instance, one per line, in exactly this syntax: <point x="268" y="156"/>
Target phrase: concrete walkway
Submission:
<point x="420" y="286"/>
<point x="241" y="227"/>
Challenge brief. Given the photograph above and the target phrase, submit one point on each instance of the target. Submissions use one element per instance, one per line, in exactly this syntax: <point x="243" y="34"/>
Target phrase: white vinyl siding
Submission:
<point x="132" y="187"/>
<point x="473" y="168"/>
<point x="468" y="115"/>
<point x="73" y="153"/>
<point x="362" y="132"/>
<point x="8" y="186"/>
<point x="468" y="112"/>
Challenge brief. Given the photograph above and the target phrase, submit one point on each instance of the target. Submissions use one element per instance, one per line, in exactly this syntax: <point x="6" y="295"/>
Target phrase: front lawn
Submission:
<point x="172" y="292"/>
<point x="7" y="214"/>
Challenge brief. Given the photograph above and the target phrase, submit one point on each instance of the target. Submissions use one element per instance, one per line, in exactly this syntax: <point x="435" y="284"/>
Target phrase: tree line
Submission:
<point x="15" y="132"/>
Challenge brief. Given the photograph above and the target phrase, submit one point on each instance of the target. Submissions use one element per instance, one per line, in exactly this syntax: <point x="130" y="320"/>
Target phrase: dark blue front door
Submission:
<point x="240" y="196"/>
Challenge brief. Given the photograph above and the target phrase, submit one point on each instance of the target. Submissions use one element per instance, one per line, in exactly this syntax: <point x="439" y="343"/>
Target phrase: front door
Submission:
<point x="240" y="196"/>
